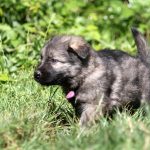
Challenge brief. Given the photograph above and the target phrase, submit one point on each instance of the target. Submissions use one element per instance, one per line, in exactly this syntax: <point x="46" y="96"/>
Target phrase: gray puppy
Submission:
<point x="96" y="83"/>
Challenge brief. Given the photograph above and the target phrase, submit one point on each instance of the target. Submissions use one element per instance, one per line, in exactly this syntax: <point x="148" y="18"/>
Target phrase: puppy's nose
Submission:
<point x="37" y="75"/>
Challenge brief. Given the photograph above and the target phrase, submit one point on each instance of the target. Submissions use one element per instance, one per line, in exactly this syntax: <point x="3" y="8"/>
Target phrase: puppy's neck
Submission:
<point x="88" y="67"/>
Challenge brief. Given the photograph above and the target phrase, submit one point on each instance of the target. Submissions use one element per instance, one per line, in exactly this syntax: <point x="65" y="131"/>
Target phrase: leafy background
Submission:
<point x="25" y="25"/>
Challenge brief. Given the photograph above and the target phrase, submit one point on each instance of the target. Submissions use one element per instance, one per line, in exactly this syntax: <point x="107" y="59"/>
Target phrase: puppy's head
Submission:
<point x="62" y="58"/>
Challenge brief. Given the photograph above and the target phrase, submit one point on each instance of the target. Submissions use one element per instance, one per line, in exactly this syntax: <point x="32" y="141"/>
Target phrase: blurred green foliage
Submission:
<point x="25" y="25"/>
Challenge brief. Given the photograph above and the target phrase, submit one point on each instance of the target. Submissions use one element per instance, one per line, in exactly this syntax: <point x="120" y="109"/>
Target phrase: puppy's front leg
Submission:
<point x="89" y="115"/>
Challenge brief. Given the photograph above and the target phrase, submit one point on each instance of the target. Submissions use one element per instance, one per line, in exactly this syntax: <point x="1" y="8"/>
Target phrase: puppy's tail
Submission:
<point x="142" y="46"/>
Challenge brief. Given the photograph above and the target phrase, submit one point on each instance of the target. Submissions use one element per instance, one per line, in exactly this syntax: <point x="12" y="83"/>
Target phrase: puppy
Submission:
<point x="95" y="83"/>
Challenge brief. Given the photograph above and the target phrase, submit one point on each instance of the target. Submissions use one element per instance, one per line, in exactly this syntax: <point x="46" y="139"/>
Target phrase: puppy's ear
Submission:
<point x="79" y="46"/>
<point x="142" y="45"/>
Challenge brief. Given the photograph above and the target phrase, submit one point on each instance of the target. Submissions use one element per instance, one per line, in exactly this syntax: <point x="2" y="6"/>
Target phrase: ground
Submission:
<point x="35" y="117"/>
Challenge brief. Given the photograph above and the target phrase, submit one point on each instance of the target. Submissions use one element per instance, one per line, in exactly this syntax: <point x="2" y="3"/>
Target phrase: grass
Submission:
<point x="38" y="118"/>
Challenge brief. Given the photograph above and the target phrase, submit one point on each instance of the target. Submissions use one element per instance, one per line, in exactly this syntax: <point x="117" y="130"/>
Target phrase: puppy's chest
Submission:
<point x="91" y="93"/>
<point x="95" y="88"/>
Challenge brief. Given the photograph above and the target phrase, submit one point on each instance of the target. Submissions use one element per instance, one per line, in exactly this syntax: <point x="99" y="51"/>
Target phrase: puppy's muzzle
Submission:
<point x="44" y="78"/>
<point x="37" y="75"/>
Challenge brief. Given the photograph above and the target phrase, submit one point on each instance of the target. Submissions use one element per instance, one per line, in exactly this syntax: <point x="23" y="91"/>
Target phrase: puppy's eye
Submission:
<point x="54" y="60"/>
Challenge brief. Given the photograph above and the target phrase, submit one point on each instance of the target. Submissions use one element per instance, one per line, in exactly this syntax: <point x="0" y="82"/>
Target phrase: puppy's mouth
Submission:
<point x="46" y="83"/>
<point x="44" y="79"/>
<point x="70" y="95"/>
